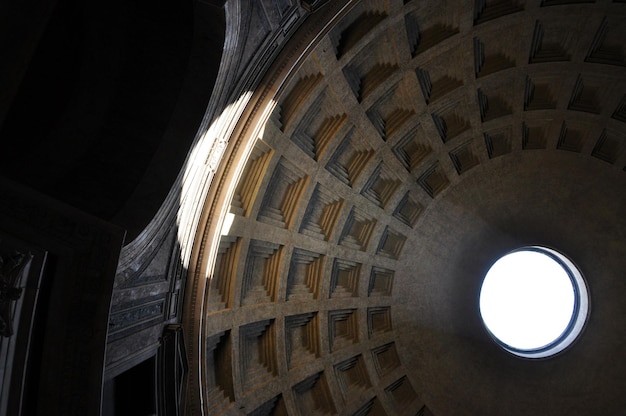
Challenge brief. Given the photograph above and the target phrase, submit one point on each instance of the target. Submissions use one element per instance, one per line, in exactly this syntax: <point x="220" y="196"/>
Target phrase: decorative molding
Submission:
<point x="12" y="269"/>
<point x="312" y="5"/>
<point x="172" y="371"/>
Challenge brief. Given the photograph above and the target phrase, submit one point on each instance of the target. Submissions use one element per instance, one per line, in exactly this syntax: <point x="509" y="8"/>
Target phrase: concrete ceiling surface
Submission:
<point x="413" y="145"/>
<point x="553" y="200"/>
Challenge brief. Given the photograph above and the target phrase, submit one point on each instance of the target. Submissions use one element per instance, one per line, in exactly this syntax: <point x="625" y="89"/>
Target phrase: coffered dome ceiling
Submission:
<point x="413" y="145"/>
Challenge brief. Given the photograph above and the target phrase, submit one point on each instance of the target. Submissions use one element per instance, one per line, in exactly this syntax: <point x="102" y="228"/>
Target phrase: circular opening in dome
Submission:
<point x="534" y="302"/>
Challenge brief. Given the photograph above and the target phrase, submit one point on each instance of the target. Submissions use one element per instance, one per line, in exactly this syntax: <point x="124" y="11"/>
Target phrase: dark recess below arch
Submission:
<point x="110" y="102"/>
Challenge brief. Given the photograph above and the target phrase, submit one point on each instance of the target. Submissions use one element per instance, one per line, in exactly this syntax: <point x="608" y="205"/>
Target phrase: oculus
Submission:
<point x="534" y="302"/>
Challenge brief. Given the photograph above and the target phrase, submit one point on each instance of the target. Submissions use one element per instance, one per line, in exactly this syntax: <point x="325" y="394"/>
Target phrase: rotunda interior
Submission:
<point x="359" y="167"/>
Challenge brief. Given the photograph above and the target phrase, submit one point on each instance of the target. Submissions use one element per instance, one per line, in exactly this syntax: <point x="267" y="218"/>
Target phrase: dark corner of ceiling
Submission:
<point x="101" y="101"/>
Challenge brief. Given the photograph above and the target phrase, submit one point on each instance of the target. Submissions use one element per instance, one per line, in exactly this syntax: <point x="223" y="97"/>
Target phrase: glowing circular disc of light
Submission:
<point x="533" y="302"/>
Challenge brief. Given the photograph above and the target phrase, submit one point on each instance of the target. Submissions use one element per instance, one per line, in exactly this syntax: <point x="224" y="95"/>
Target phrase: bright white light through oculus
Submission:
<point x="530" y="302"/>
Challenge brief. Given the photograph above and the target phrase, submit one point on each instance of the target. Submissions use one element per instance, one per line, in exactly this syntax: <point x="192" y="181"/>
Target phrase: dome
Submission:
<point x="391" y="156"/>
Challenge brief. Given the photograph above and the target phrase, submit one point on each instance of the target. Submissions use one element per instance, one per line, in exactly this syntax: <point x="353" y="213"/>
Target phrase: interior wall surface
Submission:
<point x="372" y="180"/>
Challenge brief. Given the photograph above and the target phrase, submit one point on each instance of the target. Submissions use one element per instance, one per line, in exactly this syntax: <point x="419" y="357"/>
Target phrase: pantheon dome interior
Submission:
<point x="283" y="207"/>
